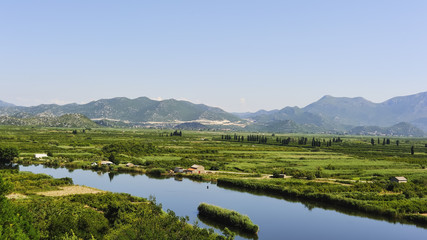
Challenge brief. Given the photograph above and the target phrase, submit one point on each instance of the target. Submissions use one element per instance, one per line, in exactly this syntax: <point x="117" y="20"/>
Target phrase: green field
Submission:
<point x="353" y="158"/>
<point x="351" y="172"/>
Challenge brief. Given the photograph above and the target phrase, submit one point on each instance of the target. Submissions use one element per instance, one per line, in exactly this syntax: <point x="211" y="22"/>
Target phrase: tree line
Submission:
<point x="262" y="139"/>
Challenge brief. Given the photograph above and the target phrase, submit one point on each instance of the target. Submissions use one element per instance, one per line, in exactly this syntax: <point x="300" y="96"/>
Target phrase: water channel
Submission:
<point x="276" y="217"/>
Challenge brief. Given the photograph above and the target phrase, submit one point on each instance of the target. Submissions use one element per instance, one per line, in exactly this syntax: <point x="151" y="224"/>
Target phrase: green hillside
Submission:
<point x="65" y="121"/>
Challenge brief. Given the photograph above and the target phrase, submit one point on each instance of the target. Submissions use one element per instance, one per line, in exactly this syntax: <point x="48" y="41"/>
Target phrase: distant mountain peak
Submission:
<point x="330" y="97"/>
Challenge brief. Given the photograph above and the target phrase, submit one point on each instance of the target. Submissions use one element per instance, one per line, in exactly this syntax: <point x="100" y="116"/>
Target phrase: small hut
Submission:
<point x="197" y="168"/>
<point x="40" y="155"/>
<point x="108" y="163"/>
<point x="130" y="165"/>
<point x="399" y="179"/>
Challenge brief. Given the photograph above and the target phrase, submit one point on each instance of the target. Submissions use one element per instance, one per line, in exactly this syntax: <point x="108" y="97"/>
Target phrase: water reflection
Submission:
<point x="277" y="216"/>
<point x="10" y="166"/>
<point x="311" y="204"/>
<point x="111" y="176"/>
<point x="221" y="226"/>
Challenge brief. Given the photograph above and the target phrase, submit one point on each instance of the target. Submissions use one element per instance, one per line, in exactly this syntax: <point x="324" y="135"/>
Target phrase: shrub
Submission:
<point x="7" y="154"/>
<point x="156" y="171"/>
<point x="229" y="217"/>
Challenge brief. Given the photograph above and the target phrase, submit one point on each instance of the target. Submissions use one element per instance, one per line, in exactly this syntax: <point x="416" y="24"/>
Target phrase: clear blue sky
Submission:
<point x="238" y="55"/>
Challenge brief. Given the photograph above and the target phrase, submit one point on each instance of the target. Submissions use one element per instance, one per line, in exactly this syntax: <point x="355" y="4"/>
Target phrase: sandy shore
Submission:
<point x="70" y="190"/>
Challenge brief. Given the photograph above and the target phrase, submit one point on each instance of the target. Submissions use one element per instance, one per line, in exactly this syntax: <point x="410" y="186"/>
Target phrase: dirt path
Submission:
<point x="70" y="190"/>
<point x="16" y="196"/>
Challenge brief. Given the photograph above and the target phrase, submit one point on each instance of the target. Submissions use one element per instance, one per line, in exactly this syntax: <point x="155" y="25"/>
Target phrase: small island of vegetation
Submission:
<point x="229" y="217"/>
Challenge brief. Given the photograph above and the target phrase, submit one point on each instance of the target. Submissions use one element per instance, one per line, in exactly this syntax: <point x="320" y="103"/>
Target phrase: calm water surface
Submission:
<point x="276" y="217"/>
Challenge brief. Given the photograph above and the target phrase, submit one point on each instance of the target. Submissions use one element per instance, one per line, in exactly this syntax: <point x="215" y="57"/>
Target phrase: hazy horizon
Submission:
<point x="241" y="56"/>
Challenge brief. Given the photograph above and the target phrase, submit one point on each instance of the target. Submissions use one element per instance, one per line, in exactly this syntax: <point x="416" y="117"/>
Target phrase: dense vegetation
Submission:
<point x="7" y="154"/>
<point x="387" y="199"/>
<point x="15" y="222"/>
<point x="352" y="172"/>
<point x="87" y="216"/>
<point x="229" y="217"/>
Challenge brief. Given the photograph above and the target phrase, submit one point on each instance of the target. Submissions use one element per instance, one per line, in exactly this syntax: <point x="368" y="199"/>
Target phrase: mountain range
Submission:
<point x="406" y="115"/>
<point x="342" y="113"/>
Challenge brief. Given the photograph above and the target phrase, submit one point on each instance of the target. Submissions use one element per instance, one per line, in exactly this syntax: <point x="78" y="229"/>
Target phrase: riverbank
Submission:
<point x="396" y="202"/>
<point x="57" y="209"/>
<point x="392" y="206"/>
<point x="184" y="195"/>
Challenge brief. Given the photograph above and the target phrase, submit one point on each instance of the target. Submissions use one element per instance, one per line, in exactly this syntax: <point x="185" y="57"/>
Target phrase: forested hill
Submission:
<point x="64" y="121"/>
<point x="134" y="110"/>
<point x="400" y="129"/>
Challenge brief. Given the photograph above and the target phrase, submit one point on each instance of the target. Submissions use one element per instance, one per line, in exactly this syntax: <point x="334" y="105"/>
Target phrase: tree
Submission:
<point x="7" y="154"/>
<point x="112" y="158"/>
<point x="412" y="150"/>
<point x="372" y="141"/>
<point x="397" y="142"/>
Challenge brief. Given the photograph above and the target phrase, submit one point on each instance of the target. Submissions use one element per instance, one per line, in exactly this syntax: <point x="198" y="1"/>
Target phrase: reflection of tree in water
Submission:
<point x="221" y="226"/>
<point x="9" y="166"/>
<point x="111" y="176"/>
<point x="310" y="204"/>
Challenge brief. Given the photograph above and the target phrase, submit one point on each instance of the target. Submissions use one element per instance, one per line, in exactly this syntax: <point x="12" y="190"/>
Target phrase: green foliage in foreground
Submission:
<point x="15" y="222"/>
<point x="89" y="216"/>
<point x="229" y="217"/>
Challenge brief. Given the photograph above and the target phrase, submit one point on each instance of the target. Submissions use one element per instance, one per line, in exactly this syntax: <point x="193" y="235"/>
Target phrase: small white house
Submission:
<point x="108" y="163"/>
<point x="40" y="155"/>
<point x="178" y="170"/>
<point x="130" y="165"/>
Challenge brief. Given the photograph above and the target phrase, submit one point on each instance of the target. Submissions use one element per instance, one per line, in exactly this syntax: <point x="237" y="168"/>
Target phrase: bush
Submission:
<point x="7" y="154"/>
<point x="230" y="217"/>
<point x="156" y="171"/>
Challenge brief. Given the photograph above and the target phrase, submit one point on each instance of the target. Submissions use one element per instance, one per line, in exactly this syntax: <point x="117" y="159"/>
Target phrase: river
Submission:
<point x="276" y="217"/>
